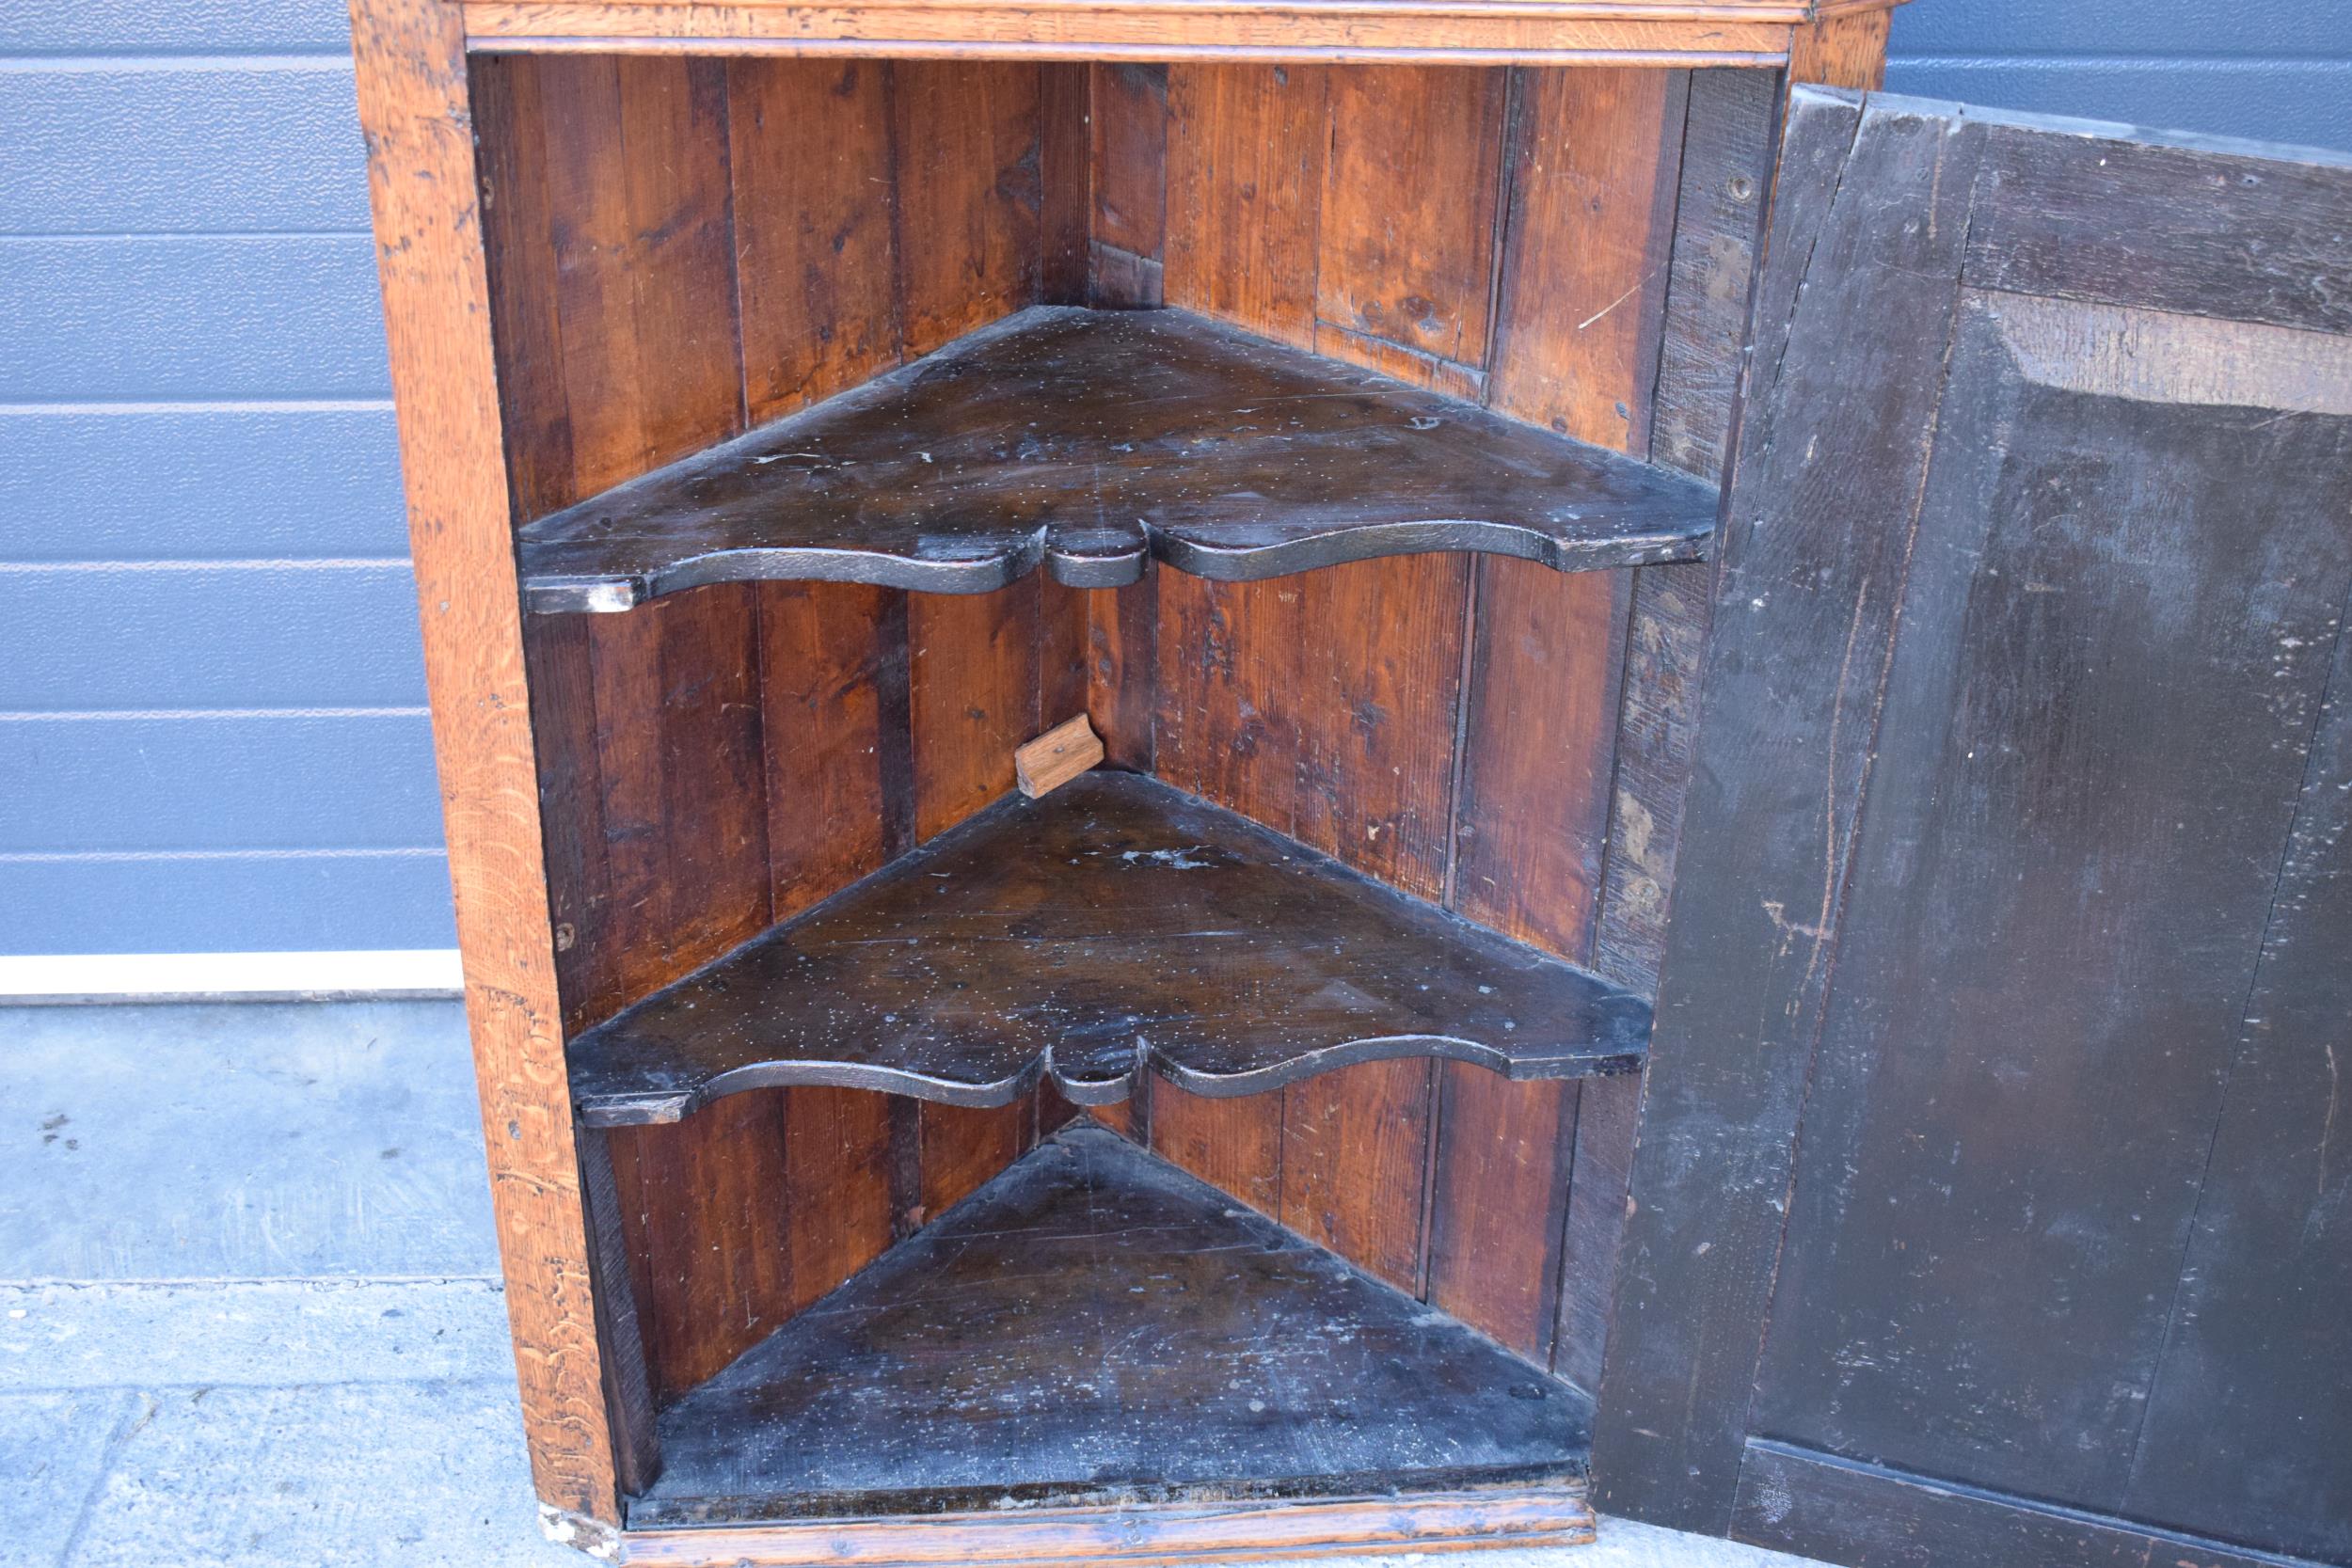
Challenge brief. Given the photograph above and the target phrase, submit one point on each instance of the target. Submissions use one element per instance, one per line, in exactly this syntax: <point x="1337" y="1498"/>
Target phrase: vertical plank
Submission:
<point x="1062" y="634"/>
<point x="974" y="663"/>
<point x="815" y="248"/>
<point x="1354" y="1159"/>
<point x="1122" y="672"/>
<point x="1783" y="761"/>
<point x="628" y="1389"/>
<point x="713" y="1247"/>
<point x="1128" y="220"/>
<point x="1226" y="665"/>
<point x="831" y="658"/>
<point x="1725" y="170"/>
<point x="1066" y="180"/>
<point x="1245" y="180"/>
<point x="2237" y="1441"/>
<point x="684" y="807"/>
<point x="1423" y="141"/>
<point x="965" y="134"/>
<point x="963" y="1148"/>
<point x="1594" y="154"/>
<point x="1234" y="1145"/>
<point x="835" y="1187"/>
<point x="412" y="90"/>
<point x="1499" y="1202"/>
<point x="1592" y="161"/>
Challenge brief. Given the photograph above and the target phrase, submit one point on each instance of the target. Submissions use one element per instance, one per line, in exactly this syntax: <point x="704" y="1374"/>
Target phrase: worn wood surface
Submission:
<point x="1094" y="1327"/>
<point x="1089" y="441"/>
<point x="1535" y="1517"/>
<point x="1112" y="925"/>
<point x="2066" y="819"/>
<point x="414" y="104"/>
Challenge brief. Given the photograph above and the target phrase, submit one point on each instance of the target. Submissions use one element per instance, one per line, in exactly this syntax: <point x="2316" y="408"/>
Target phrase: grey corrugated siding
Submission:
<point x="211" y="734"/>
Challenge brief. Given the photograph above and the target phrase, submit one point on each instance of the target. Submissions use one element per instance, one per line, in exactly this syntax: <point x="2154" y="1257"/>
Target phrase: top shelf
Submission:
<point x="1091" y="441"/>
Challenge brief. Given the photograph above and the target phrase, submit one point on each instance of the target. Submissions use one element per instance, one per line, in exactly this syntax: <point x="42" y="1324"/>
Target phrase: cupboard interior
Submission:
<point x="681" y="248"/>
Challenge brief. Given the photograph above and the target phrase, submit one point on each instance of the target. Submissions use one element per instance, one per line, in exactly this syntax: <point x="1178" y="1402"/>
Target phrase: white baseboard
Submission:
<point x="395" y="975"/>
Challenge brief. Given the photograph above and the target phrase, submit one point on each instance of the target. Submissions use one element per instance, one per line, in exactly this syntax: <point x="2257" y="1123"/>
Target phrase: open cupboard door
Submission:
<point x="1993" y="1204"/>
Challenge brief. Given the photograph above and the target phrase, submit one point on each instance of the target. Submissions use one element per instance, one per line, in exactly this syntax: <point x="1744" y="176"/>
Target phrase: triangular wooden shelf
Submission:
<point x="1115" y="925"/>
<point x="1091" y="441"/>
<point x="1094" y="1327"/>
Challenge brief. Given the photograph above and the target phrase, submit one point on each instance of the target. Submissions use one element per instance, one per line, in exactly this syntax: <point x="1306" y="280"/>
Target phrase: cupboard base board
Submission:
<point x="1552" y="1515"/>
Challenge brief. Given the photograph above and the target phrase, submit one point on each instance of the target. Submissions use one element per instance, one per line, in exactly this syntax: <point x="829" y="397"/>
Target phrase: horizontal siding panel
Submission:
<point x="199" y="484"/>
<point x="2309" y="103"/>
<point x="209" y="637"/>
<point x="190" y="318"/>
<point x="213" y="147"/>
<point x="173" y="27"/>
<point x="141" y="783"/>
<point x="253" y="904"/>
<point x="2147" y="28"/>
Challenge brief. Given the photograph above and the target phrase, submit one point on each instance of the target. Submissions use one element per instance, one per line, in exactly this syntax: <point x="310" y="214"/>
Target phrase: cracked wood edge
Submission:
<point x="415" y="110"/>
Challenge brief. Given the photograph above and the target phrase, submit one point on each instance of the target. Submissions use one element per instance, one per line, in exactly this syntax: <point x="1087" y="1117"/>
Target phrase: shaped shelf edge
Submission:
<point x="1116" y="927"/>
<point x="1091" y="442"/>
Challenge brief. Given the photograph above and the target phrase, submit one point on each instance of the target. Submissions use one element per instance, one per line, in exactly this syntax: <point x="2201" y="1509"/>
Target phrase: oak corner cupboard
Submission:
<point x="1717" y="880"/>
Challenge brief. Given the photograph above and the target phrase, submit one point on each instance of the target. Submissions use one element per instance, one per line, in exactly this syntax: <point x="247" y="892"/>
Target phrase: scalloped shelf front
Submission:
<point x="1091" y="441"/>
<point x="1115" y="926"/>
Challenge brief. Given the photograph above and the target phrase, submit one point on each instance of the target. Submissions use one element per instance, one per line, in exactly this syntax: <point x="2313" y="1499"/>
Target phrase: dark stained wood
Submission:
<point x="628" y="1390"/>
<point x="969" y="194"/>
<point x="1797" y="1501"/>
<point x="2093" y="743"/>
<point x="836" y="1195"/>
<point x="1725" y="170"/>
<point x="1499" y="1202"/>
<point x="1840" y="416"/>
<point x="2174" y="216"/>
<point x="1128" y="225"/>
<point x="1094" y="1327"/>
<point x="1091" y="439"/>
<point x="816" y="248"/>
<point x="2235" y="1444"/>
<point x="833" y="692"/>
<point x="1113" y="923"/>
<point x="2053" y="1249"/>
<point x="1233" y="1145"/>
<point x="963" y="1146"/>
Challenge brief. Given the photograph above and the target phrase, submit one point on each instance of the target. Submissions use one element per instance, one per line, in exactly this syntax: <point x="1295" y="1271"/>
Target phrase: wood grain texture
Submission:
<point x="2090" y="762"/>
<point x="1245" y="178"/>
<point x="965" y="139"/>
<point x="1425" y="141"/>
<point x="1097" y="1537"/>
<point x="413" y="103"/>
<point x="1833" y="430"/>
<point x="1846" y="50"/>
<point x="815" y="242"/>
<point x="1128" y="197"/>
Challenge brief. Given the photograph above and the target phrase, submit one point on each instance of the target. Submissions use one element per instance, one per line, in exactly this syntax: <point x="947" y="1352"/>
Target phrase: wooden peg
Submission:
<point x="1057" y="756"/>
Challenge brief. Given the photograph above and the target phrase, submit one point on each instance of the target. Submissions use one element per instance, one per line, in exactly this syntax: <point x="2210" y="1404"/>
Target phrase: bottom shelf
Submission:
<point x="1095" y="1326"/>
